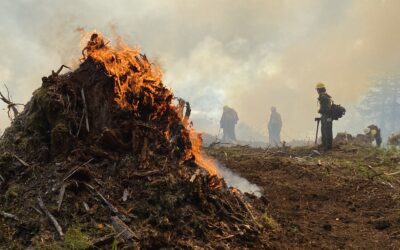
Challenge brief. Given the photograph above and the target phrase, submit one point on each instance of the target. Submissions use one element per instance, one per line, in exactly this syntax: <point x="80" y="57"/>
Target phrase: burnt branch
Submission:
<point x="59" y="70"/>
<point x="10" y="104"/>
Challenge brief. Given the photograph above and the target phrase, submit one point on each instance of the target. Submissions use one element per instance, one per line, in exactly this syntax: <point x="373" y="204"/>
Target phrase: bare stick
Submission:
<point x="109" y="205"/>
<point x="89" y="186"/>
<point x="59" y="70"/>
<point x="372" y="169"/>
<point x="195" y="175"/>
<point x="122" y="229"/>
<point x="144" y="174"/>
<point x="394" y="173"/>
<point x="226" y="237"/>
<point x="246" y="207"/>
<point x="105" y="201"/>
<point x="37" y="210"/>
<point x="61" y="196"/>
<point x="376" y="174"/>
<point x="8" y="215"/>
<point x="70" y="173"/>
<point x="8" y="92"/>
<point x="125" y="195"/>
<point x="22" y="161"/>
<point x="80" y="124"/>
<point x="85" y="110"/>
<point x="51" y="217"/>
<point x="10" y="104"/>
<point x="86" y="206"/>
<point x="103" y="240"/>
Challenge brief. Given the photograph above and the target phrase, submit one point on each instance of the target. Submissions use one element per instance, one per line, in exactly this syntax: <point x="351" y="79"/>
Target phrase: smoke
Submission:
<point x="248" y="54"/>
<point x="236" y="181"/>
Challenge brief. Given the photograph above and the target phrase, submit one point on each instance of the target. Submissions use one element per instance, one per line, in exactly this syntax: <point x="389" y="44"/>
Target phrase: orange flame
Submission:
<point x="132" y="71"/>
<point x="126" y="65"/>
<point x="200" y="157"/>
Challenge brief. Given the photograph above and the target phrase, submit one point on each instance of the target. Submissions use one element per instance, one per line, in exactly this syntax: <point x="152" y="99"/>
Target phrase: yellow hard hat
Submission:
<point x="320" y="85"/>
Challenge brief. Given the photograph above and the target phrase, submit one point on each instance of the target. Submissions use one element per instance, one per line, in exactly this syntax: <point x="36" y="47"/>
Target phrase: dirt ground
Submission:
<point x="344" y="199"/>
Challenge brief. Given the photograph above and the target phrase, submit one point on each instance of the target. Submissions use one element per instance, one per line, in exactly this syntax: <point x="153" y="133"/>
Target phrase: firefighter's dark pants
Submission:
<point x="326" y="132"/>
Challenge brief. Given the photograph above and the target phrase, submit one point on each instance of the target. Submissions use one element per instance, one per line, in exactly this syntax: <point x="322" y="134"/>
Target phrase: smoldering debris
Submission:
<point x="134" y="144"/>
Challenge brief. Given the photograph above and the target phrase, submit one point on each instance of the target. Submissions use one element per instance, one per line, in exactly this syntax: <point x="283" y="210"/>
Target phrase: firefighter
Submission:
<point x="374" y="133"/>
<point x="274" y="127"/>
<point x="227" y="124"/>
<point x="325" y="108"/>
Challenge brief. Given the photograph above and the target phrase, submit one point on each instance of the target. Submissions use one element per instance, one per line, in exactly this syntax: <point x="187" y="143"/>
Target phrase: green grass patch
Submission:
<point x="270" y="221"/>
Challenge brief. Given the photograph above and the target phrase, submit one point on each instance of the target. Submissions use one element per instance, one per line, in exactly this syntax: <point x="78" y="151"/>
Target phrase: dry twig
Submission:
<point x="85" y="110"/>
<point x="61" y="196"/>
<point x="109" y="205"/>
<point x="50" y="216"/>
<point x="10" y="104"/>
<point x="103" y="240"/>
<point x="59" y="70"/>
<point x="394" y="173"/>
<point x="125" y="195"/>
<point x="22" y="161"/>
<point x="122" y="229"/>
<point x="8" y="215"/>
<point x="73" y="171"/>
<point x="144" y="174"/>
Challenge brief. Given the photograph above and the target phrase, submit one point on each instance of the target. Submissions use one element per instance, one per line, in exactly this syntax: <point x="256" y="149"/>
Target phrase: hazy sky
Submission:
<point x="248" y="54"/>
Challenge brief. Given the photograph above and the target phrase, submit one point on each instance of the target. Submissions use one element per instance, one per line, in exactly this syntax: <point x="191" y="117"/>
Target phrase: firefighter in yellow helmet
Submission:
<point x="374" y="133"/>
<point x="325" y="106"/>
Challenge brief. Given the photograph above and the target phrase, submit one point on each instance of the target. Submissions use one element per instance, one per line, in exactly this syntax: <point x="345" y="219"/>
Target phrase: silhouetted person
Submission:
<point x="325" y="109"/>
<point x="374" y="133"/>
<point x="274" y="127"/>
<point x="228" y="122"/>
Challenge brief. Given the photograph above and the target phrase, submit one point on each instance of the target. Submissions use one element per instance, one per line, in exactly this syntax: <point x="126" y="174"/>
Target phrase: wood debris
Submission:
<point x="9" y="216"/>
<point x="50" y="216"/>
<point x="122" y="229"/>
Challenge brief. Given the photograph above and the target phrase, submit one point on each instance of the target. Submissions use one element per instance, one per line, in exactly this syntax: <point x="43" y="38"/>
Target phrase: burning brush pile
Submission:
<point x="102" y="157"/>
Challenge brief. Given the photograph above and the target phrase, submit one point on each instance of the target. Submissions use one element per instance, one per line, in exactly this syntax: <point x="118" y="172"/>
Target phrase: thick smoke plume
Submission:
<point x="248" y="54"/>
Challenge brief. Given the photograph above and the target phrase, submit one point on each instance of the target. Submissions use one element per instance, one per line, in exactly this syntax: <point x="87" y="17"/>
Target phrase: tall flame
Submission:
<point x="132" y="71"/>
<point x="126" y="65"/>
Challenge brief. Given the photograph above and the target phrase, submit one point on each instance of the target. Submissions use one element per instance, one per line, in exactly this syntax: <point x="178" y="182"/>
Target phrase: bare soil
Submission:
<point x="344" y="199"/>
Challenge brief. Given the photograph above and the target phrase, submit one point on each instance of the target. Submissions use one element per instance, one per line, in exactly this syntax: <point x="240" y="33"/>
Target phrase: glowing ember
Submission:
<point x="138" y="82"/>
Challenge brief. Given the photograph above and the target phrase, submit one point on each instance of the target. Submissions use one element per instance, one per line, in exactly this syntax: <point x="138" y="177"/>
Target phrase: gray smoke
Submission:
<point x="236" y="181"/>
<point x="248" y="54"/>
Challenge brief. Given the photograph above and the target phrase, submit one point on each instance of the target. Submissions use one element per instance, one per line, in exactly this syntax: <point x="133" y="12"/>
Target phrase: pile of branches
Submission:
<point x="108" y="152"/>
